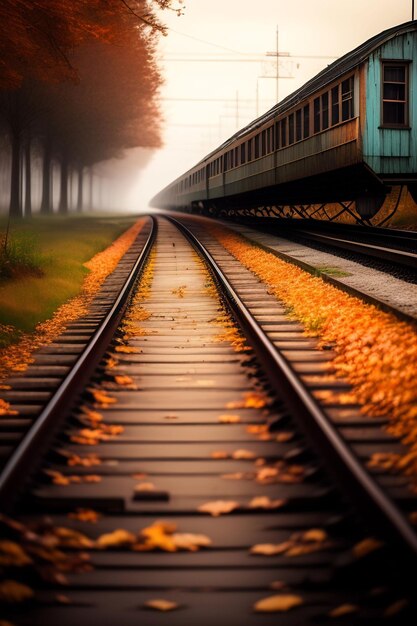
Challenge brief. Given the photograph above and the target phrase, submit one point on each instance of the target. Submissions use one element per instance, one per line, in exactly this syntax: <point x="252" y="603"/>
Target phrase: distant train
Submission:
<point x="348" y="134"/>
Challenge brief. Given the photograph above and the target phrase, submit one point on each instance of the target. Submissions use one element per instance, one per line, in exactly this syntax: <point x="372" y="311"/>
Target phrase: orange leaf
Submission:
<point x="229" y="419"/>
<point x="160" y="604"/>
<point x="278" y="603"/>
<point x="218" y="507"/>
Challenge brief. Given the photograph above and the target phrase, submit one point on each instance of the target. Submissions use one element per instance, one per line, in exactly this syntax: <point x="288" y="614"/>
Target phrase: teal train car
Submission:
<point x="347" y="135"/>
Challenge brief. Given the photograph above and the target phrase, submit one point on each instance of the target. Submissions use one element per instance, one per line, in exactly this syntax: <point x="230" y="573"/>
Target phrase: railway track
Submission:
<point x="181" y="426"/>
<point x="378" y="245"/>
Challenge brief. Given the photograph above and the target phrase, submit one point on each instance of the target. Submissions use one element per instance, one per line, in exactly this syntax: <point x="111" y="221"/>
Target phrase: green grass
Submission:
<point x="331" y="271"/>
<point x="46" y="256"/>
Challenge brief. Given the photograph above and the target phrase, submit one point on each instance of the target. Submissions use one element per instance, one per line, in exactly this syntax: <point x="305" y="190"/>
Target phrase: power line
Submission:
<point x="231" y="60"/>
<point x="227" y="100"/>
<point x="209" y="43"/>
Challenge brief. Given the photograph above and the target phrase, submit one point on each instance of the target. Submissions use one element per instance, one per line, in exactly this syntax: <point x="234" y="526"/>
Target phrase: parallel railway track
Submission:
<point x="381" y="245"/>
<point x="205" y="423"/>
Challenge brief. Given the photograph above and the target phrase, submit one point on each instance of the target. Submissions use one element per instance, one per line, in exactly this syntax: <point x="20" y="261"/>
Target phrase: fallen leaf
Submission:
<point x="218" y="507"/>
<point x="366" y="546"/>
<point x="219" y="454"/>
<point x="13" y="592"/>
<point x="62" y="599"/>
<point x="112" y="363"/>
<point x="161" y="605"/>
<point x="270" y="549"/>
<point x="284" y="437"/>
<point x="145" y="487"/>
<point x="70" y="538"/>
<point x="85" y="461"/>
<point x="93" y="416"/>
<point x="102" y="398"/>
<point x="161" y="535"/>
<point x="264" y="502"/>
<point x="13" y="555"/>
<point x="119" y="537"/>
<point x="242" y="454"/>
<point x="229" y="419"/>
<point x="314" y="534"/>
<point x="125" y="381"/>
<point x="5" y="408"/>
<point x="190" y="541"/>
<point x="85" y="515"/>
<point x="344" y="609"/>
<point x="128" y="350"/>
<point x="278" y="603"/>
<point x="257" y="429"/>
<point x="396" y="607"/>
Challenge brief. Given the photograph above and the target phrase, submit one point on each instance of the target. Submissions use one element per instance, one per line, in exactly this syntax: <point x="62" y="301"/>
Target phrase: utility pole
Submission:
<point x="277" y="54"/>
<point x="237" y="110"/>
<point x="412" y="9"/>
<point x="277" y="83"/>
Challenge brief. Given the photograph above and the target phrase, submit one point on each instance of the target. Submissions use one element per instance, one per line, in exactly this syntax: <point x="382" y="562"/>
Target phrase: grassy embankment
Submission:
<point x="43" y="265"/>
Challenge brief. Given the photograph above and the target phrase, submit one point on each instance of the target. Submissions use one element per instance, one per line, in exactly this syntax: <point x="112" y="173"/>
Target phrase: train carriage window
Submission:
<point x="263" y="152"/>
<point x="394" y="94"/>
<point x="250" y="150"/>
<point x="306" y="121"/>
<point x="291" y="128"/>
<point x="335" y="105"/>
<point x="347" y="99"/>
<point x="298" y="125"/>
<point x="316" y="115"/>
<point x="325" y="111"/>
<point x="243" y="153"/>
<point x="236" y="157"/>
<point x="271" y="137"/>
<point x="284" y="132"/>
<point x="277" y="136"/>
<point x="257" y="147"/>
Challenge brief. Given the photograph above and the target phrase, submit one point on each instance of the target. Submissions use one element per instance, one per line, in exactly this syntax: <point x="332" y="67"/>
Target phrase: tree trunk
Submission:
<point x="15" y="206"/>
<point x="80" y="188"/>
<point x="90" y="208"/>
<point x="46" y="203"/>
<point x="28" y="176"/>
<point x="63" y="199"/>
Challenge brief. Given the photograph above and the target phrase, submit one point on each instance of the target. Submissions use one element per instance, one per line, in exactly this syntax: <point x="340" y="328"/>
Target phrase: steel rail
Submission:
<point x="339" y="458"/>
<point x="22" y="463"/>
<point x="392" y="255"/>
<point x="391" y="246"/>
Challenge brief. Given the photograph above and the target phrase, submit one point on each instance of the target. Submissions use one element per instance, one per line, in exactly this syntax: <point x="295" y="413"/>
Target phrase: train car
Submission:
<point x="350" y="133"/>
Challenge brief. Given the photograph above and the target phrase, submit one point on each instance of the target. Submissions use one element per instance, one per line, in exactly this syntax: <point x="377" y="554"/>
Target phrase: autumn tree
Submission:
<point x="37" y="36"/>
<point x="48" y="42"/>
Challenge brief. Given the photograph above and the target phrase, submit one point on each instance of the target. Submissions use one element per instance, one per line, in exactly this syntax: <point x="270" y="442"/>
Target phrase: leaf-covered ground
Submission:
<point x="375" y="351"/>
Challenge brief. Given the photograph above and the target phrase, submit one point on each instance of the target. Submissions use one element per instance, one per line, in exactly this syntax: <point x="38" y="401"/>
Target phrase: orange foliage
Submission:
<point x="375" y="351"/>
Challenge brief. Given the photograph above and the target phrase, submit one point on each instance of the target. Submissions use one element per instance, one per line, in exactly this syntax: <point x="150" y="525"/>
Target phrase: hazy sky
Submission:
<point x="214" y="63"/>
